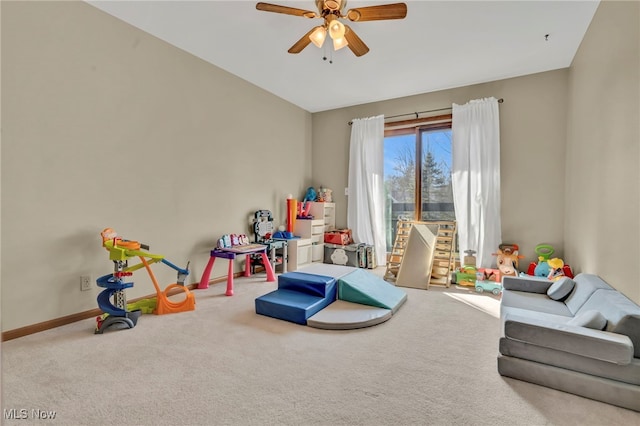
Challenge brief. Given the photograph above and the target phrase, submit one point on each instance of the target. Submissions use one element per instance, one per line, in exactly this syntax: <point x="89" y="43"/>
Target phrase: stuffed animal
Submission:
<point x="508" y="258"/>
<point x="311" y="195"/>
<point x="508" y="262"/>
<point x="304" y="207"/>
<point x="542" y="268"/>
<point x="328" y="198"/>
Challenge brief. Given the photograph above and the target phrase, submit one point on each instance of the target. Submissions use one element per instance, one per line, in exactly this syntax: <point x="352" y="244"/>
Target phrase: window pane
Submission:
<point x="399" y="181"/>
<point x="437" y="194"/>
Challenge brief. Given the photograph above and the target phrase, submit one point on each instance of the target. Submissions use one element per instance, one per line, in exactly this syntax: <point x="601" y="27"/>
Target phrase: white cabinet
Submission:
<point x="325" y="212"/>
<point x="300" y="253"/>
<point x="312" y="229"/>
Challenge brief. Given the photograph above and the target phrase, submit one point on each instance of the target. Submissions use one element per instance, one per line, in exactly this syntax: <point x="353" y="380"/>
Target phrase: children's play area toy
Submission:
<point x="324" y="195"/>
<point x="305" y="206"/>
<point x="292" y="209"/>
<point x="556" y="269"/>
<point x="482" y="285"/>
<point x="482" y="279"/>
<point x="230" y="252"/>
<point x="508" y="259"/>
<point x="466" y="275"/>
<point x="469" y="258"/>
<point x="121" y="313"/>
<point x="541" y="268"/>
<point x="547" y="267"/>
<point x="332" y="297"/>
<point x="263" y="231"/>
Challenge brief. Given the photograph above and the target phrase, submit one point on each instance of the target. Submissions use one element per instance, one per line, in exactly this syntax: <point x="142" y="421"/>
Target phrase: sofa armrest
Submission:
<point x="586" y="342"/>
<point x="526" y="284"/>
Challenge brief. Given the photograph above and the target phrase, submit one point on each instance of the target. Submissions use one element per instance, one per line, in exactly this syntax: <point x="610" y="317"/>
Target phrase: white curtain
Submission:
<point x="365" y="202"/>
<point x="475" y="178"/>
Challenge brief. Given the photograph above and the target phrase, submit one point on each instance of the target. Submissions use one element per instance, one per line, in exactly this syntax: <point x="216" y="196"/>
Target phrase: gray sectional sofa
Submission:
<point x="576" y="335"/>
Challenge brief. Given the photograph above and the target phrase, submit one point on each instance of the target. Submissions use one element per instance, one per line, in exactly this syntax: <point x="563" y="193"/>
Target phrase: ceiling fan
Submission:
<point x="331" y="11"/>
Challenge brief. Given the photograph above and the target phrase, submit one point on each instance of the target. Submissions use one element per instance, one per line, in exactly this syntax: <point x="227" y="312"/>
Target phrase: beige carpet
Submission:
<point x="433" y="363"/>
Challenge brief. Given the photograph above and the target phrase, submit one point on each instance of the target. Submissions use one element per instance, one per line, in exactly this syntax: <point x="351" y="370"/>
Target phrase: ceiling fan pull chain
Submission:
<point x="324" y="56"/>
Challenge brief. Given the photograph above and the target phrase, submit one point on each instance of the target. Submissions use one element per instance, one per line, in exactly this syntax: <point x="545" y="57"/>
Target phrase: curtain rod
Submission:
<point x="501" y="100"/>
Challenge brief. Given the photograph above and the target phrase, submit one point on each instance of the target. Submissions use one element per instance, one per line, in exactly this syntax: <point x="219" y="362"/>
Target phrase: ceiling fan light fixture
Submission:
<point x="336" y="29"/>
<point x="339" y="43"/>
<point x="318" y="35"/>
<point x="331" y="12"/>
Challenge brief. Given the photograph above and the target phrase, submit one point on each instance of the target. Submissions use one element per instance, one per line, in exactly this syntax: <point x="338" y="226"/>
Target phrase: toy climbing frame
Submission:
<point x="441" y="259"/>
<point x="417" y="260"/>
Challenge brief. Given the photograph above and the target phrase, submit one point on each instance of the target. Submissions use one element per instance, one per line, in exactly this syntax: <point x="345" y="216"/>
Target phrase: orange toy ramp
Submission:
<point x="166" y="306"/>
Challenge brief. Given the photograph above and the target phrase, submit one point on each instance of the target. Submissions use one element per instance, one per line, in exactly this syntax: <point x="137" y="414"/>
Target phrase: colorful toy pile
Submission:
<point x="548" y="267"/>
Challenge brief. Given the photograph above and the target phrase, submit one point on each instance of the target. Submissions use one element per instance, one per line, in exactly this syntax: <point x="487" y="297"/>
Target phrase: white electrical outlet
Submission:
<point x="346" y="191"/>
<point x="85" y="282"/>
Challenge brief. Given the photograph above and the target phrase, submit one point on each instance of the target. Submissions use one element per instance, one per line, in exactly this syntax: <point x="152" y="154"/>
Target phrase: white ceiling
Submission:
<point x="439" y="45"/>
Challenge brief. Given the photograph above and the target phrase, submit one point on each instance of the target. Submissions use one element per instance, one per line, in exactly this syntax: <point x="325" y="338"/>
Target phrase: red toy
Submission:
<point x="542" y="268"/>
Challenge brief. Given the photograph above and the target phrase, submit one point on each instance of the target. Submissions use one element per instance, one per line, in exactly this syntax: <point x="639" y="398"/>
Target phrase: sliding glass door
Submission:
<point x="417" y="175"/>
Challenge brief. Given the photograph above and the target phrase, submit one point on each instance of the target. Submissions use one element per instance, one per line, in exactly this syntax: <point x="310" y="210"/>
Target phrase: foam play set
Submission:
<point x="331" y="297"/>
<point x="124" y="315"/>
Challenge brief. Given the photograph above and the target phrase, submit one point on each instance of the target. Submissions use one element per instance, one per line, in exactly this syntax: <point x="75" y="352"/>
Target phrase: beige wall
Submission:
<point x="602" y="230"/>
<point x="532" y="129"/>
<point x="106" y="126"/>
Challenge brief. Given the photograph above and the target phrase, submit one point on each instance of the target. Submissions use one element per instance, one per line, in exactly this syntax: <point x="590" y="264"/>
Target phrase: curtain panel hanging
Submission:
<point x="475" y="178"/>
<point x="365" y="203"/>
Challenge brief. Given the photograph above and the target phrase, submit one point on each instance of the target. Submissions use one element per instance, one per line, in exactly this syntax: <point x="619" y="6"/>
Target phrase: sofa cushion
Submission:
<point x="590" y="319"/>
<point x="596" y="344"/>
<point x="561" y="288"/>
<point x="586" y="284"/>
<point x="613" y="305"/>
<point x="528" y="284"/>
<point x="629" y="325"/>
<point x="533" y="302"/>
<point x="628" y="373"/>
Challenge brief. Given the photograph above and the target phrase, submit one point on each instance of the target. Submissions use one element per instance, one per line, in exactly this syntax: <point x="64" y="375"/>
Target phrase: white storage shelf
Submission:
<point x="300" y="253"/>
<point x="325" y="212"/>
<point x="312" y="229"/>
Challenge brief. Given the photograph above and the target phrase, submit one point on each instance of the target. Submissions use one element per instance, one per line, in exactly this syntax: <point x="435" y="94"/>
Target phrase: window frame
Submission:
<point x="418" y="126"/>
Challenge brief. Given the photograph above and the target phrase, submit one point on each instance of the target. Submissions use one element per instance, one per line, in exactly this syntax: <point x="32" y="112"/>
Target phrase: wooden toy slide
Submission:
<point x="417" y="261"/>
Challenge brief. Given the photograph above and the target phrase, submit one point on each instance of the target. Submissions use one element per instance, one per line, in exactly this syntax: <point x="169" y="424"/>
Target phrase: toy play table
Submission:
<point x="272" y="246"/>
<point x="230" y="254"/>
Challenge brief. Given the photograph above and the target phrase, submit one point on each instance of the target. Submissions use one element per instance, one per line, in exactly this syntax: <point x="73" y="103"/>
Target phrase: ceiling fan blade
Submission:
<point x="268" y="7"/>
<point x="302" y="43"/>
<point x="378" y="13"/>
<point x="356" y="44"/>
